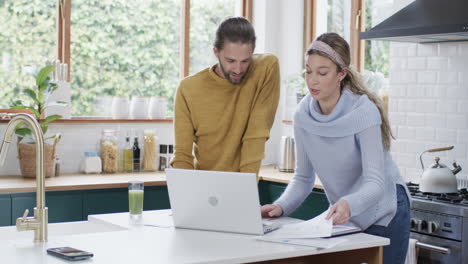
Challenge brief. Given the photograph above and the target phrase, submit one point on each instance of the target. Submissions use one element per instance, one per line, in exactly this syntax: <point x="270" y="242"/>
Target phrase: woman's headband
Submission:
<point x="329" y="51"/>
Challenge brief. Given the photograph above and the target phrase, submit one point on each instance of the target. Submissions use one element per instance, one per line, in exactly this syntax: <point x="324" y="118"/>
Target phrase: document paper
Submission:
<point x="308" y="233"/>
<point x="315" y="227"/>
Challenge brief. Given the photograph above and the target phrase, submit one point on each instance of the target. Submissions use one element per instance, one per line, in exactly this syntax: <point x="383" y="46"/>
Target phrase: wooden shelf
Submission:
<point x="94" y="119"/>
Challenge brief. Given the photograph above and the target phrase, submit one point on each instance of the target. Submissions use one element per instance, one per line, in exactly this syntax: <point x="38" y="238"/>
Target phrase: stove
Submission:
<point x="439" y="222"/>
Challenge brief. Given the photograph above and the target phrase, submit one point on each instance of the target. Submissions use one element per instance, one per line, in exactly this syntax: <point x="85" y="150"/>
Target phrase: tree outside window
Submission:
<point x="118" y="47"/>
<point x="377" y="51"/>
<point x="27" y="37"/>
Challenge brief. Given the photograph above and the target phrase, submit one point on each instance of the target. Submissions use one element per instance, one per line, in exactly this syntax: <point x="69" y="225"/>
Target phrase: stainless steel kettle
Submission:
<point x="288" y="157"/>
<point x="438" y="178"/>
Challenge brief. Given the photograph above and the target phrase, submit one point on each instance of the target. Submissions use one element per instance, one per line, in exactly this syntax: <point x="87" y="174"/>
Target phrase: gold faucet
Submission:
<point x="38" y="223"/>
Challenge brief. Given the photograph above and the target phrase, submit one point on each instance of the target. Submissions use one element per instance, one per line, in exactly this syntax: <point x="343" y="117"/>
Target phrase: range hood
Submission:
<point x="424" y="21"/>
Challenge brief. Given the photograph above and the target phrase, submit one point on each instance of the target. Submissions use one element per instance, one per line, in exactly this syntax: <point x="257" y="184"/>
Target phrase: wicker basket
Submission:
<point x="27" y="159"/>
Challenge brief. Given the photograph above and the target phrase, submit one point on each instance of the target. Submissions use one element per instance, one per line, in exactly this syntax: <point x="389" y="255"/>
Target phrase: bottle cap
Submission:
<point x="162" y="148"/>
<point x="108" y="131"/>
<point x="91" y="154"/>
<point x="149" y="132"/>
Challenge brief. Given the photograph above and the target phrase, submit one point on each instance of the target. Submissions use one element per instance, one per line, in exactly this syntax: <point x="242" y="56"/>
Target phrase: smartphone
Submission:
<point x="69" y="253"/>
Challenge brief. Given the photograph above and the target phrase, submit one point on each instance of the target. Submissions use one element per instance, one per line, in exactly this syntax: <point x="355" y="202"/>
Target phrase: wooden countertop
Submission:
<point x="16" y="184"/>
<point x="272" y="174"/>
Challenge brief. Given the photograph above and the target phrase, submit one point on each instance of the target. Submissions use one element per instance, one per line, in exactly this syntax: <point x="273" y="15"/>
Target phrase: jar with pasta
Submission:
<point x="109" y="152"/>
<point x="149" y="150"/>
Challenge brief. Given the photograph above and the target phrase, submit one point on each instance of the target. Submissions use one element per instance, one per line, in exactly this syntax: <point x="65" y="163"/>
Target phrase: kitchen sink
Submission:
<point x="60" y="229"/>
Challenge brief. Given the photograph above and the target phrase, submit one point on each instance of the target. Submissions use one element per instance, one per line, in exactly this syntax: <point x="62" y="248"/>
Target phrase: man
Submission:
<point x="223" y="114"/>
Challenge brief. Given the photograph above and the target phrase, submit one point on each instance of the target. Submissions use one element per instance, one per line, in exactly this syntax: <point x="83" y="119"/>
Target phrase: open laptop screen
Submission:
<point x="213" y="200"/>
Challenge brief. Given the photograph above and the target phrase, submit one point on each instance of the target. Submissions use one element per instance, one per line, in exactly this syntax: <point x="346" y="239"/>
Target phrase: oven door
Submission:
<point x="434" y="250"/>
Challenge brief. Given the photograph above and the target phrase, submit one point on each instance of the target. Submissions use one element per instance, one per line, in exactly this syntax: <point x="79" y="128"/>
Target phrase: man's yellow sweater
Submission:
<point x="221" y="126"/>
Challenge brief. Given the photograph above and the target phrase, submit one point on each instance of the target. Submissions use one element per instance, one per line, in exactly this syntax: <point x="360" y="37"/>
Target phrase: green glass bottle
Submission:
<point x="128" y="155"/>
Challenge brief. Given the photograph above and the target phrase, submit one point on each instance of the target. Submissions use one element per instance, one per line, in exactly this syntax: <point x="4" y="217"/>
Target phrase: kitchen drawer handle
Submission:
<point x="433" y="248"/>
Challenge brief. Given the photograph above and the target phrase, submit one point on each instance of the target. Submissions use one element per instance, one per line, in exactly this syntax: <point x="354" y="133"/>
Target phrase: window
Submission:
<point x="334" y="16"/>
<point x="340" y="16"/>
<point x="377" y="51"/>
<point x="348" y="18"/>
<point x="27" y="37"/>
<point x="122" y="48"/>
<point x="204" y="19"/>
<point x="116" y="47"/>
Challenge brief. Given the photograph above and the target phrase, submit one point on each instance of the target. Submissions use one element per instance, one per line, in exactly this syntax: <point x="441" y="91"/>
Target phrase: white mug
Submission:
<point x="139" y="107"/>
<point x="153" y="107"/>
<point x="162" y="108"/>
<point x="120" y="107"/>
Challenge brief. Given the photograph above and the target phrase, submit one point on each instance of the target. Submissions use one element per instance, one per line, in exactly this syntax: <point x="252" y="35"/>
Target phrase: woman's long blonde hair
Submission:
<point x="353" y="80"/>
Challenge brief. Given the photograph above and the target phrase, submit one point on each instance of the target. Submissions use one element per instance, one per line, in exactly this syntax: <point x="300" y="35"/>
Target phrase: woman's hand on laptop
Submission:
<point x="271" y="210"/>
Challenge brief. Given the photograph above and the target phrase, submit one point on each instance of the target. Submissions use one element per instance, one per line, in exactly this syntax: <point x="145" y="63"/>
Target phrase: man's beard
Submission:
<point x="228" y="76"/>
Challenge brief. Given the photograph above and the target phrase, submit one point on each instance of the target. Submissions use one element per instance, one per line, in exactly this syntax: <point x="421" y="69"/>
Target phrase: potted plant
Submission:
<point x="296" y="83"/>
<point x="37" y="104"/>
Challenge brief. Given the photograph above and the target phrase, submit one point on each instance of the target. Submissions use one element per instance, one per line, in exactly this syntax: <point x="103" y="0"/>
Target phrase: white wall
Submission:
<point x="279" y="26"/>
<point x="428" y="103"/>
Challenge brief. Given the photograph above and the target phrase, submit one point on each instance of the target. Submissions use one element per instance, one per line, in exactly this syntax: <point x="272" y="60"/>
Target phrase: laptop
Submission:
<point x="216" y="201"/>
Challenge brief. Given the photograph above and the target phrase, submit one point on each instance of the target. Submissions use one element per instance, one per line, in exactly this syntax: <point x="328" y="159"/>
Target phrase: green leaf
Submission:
<point x="19" y="107"/>
<point x="50" y="86"/>
<point x="19" y="125"/>
<point x="23" y="131"/>
<point x="43" y="87"/>
<point x="50" y="118"/>
<point x="44" y="128"/>
<point x="40" y="98"/>
<point x="51" y="137"/>
<point x="36" y="113"/>
<point x="56" y="103"/>
<point x="17" y="103"/>
<point x="32" y="95"/>
<point x="43" y="74"/>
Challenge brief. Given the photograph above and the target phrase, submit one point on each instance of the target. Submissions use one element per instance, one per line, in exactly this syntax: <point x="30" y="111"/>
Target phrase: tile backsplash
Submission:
<point x="428" y="104"/>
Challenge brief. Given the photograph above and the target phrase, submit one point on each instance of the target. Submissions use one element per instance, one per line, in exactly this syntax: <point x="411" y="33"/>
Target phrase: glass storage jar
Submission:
<point x="92" y="163"/>
<point x="149" y="150"/>
<point x="108" y="145"/>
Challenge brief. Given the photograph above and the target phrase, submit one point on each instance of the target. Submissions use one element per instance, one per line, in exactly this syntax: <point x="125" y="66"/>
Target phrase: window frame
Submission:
<point x="64" y="36"/>
<point x="357" y="24"/>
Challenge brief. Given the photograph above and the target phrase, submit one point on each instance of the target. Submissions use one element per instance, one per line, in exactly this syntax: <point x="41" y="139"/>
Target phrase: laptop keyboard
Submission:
<point x="268" y="227"/>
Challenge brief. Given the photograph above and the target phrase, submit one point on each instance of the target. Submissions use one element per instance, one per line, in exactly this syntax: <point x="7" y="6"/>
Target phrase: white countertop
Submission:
<point x="147" y="244"/>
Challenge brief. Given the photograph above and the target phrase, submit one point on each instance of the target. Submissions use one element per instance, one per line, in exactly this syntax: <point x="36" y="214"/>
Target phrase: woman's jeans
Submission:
<point x="398" y="230"/>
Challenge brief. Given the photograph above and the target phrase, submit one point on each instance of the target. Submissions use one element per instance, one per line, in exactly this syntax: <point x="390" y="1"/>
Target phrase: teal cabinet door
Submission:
<point x="312" y="206"/>
<point x="62" y="206"/>
<point x="21" y="202"/>
<point x="65" y="206"/>
<point x="264" y="192"/>
<point x="5" y="209"/>
<point x="156" y="197"/>
<point x="105" y="201"/>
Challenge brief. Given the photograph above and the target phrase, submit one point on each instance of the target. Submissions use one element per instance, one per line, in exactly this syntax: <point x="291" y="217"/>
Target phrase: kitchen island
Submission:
<point x="139" y="243"/>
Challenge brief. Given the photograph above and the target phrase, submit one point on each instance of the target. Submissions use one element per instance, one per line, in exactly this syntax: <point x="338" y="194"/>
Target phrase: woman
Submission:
<point x="343" y="135"/>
